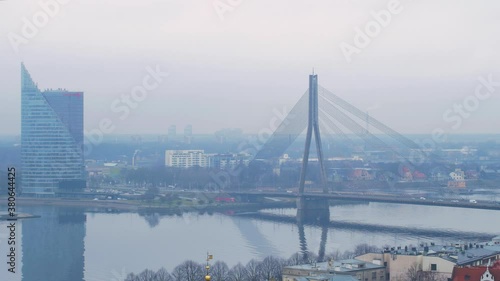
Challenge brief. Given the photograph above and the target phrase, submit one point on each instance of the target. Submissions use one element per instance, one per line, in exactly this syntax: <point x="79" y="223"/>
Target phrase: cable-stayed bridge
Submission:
<point x="320" y="112"/>
<point x="342" y="120"/>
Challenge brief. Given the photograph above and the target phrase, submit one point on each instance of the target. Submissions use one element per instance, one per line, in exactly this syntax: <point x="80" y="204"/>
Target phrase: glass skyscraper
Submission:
<point x="51" y="139"/>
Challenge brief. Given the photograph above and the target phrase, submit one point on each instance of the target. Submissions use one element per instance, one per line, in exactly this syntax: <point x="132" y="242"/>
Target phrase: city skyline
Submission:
<point x="147" y="140"/>
<point x="454" y="118"/>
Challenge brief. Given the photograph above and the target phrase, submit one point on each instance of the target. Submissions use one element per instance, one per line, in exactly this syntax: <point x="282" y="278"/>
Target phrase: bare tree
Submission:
<point x="188" y="271"/>
<point x="131" y="277"/>
<point x="412" y="273"/>
<point x="252" y="270"/>
<point x="163" y="275"/>
<point x="415" y="273"/>
<point x="312" y="257"/>
<point x="238" y="273"/>
<point x="335" y="255"/>
<point x="431" y="276"/>
<point x="270" y="268"/>
<point x="220" y="271"/>
<point x="294" y="259"/>
<point x="146" y="275"/>
<point x="364" y="248"/>
<point x="348" y="255"/>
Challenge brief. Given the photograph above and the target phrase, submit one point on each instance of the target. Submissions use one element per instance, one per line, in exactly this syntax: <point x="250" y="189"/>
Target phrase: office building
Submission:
<point x="51" y="139"/>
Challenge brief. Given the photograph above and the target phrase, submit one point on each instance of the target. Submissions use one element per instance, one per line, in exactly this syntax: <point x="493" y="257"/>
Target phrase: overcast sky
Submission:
<point x="232" y="69"/>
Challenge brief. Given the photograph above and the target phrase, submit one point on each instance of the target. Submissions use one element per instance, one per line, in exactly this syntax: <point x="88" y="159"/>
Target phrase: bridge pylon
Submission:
<point x="313" y="210"/>
<point x="313" y="126"/>
<point x="308" y="209"/>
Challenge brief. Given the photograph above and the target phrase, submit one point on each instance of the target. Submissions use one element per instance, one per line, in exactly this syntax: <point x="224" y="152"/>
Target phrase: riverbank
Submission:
<point x="5" y="217"/>
<point x="142" y="206"/>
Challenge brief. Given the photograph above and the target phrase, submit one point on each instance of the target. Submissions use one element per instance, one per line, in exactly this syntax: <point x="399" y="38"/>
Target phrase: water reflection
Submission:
<point x="303" y="242"/>
<point x="94" y="245"/>
<point x="322" y="245"/>
<point x="152" y="219"/>
<point x="53" y="245"/>
<point x="254" y="237"/>
<point x="304" y="251"/>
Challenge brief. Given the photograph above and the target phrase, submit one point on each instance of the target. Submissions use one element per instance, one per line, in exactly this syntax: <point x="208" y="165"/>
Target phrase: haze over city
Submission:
<point x="236" y="140"/>
<point x="232" y="71"/>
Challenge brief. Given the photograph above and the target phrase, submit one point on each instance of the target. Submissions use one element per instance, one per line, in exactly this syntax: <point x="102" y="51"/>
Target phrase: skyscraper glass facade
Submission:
<point x="51" y="139"/>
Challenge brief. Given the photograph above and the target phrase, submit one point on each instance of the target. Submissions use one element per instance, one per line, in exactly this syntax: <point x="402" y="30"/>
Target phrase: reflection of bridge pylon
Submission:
<point x="309" y="209"/>
<point x="303" y="243"/>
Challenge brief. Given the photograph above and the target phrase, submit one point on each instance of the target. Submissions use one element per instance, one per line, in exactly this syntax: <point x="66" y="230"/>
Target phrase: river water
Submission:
<point x="74" y="244"/>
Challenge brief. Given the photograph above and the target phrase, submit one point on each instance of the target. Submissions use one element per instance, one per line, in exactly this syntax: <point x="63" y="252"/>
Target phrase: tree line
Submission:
<point x="269" y="268"/>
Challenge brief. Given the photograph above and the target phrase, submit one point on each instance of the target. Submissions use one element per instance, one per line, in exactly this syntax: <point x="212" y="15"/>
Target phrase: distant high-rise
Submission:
<point x="51" y="139"/>
<point x="172" y="132"/>
<point x="188" y="134"/>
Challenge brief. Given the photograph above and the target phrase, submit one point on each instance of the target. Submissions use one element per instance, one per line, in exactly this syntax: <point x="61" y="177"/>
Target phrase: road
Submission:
<point x="396" y="199"/>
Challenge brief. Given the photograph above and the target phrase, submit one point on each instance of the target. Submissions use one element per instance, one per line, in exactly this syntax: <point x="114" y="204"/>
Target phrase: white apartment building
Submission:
<point x="186" y="158"/>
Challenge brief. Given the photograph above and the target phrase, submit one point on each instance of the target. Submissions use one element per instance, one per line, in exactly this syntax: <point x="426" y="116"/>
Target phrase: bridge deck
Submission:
<point x="376" y="198"/>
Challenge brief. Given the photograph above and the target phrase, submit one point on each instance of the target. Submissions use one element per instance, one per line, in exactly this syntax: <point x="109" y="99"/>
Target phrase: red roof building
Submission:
<point x="477" y="273"/>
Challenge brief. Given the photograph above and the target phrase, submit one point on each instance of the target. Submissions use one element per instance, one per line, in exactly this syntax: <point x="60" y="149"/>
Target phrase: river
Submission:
<point x="74" y="244"/>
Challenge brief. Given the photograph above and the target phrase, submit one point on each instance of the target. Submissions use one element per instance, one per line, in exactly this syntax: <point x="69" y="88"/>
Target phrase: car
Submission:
<point x="454" y="201"/>
<point x="422" y="198"/>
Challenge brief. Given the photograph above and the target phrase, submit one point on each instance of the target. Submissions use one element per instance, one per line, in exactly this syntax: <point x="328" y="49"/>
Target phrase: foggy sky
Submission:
<point x="233" y="72"/>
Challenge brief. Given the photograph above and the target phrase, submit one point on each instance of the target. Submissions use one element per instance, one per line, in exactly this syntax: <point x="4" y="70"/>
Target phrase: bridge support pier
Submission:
<point x="312" y="210"/>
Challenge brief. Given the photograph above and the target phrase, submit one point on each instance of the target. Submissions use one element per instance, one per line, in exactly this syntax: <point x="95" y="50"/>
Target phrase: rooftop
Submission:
<point x="471" y="255"/>
<point x="475" y="273"/>
<point x="460" y="253"/>
<point x="338" y="266"/>
<point x="327" y="277"/>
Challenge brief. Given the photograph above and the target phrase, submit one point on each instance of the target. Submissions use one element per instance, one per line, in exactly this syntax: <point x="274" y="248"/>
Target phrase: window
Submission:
<point x="374" y="275"/>
<point x="385" y="264"/>
<point x="434" y="267"/>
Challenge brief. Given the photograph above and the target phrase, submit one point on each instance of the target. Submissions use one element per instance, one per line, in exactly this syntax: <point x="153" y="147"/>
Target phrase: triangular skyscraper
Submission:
<point x="27" y="83"/>
<point x="51" y="139"/>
